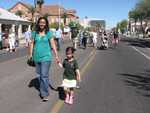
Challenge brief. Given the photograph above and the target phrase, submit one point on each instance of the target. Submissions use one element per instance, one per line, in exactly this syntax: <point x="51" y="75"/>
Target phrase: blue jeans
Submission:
<point x="42" y="70"/>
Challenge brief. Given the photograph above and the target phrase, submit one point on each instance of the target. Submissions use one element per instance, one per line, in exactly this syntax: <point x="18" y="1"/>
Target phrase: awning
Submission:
<point x="7" y="17"/>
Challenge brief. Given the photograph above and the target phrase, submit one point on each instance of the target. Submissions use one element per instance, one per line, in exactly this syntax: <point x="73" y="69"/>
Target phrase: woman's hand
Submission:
<point x="57" y="59"/>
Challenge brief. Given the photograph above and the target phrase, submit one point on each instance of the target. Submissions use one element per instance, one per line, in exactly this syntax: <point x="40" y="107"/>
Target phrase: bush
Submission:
<point x="55" y="25"/>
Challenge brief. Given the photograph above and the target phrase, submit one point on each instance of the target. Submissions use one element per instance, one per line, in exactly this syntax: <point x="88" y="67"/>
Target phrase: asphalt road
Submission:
<point x="113" y="81"/>
<point x="116" y="81"/>
<point x="19" y="91"/>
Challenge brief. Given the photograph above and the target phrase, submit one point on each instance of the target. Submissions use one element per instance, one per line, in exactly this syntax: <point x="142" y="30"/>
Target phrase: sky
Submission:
<point x="112" y="11"/>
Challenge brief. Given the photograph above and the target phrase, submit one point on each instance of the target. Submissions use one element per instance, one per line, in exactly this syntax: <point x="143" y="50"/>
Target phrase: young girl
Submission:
<point x="71" y="75"/>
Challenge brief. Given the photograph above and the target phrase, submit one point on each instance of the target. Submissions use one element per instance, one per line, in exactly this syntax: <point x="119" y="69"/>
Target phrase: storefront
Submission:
<point x="11" y="22"/>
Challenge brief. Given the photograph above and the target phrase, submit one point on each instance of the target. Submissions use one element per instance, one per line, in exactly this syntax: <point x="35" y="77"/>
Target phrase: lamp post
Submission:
<point x="35" y="2"/>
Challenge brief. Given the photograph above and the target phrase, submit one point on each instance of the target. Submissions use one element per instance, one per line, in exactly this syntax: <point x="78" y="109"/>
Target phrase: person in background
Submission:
<point x="74" y="35"/>
<point x="58" y="36"/>
<point x="85" y="37"/>
<point x="27" y="36"/>
<point x="5" y="38"/>
<point x="11" y="39"/>
<point x="1" y="46"/>
<point x="94" y="33"/>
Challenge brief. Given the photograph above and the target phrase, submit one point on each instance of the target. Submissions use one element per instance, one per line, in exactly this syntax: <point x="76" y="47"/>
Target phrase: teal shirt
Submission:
<point x="42" y="48"/>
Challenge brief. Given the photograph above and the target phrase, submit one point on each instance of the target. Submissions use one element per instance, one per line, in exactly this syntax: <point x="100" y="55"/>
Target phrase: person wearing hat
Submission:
<point x="74" y="34"/>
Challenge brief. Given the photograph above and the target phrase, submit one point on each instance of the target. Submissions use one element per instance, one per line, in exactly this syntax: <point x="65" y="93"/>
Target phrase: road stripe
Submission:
<point x="60" y="103"/>
<point x="146" y="56"/>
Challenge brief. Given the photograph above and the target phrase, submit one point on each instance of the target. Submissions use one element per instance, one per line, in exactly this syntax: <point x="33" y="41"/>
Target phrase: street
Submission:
<point x="113" y="81"/>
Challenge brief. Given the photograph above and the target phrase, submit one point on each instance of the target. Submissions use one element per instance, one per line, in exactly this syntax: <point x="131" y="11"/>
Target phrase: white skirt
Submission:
<point x="69" y="83"/>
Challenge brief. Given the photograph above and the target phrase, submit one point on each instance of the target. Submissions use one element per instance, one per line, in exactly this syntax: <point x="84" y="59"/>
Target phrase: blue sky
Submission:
<point x="112" y="11"/>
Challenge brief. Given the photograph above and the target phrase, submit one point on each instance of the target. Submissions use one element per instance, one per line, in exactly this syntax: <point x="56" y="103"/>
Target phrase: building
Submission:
<point x="92" y="22"/>
<point x="13" y="23"/>
<point x="53" y="12"/>
<point x="134" y="28"/>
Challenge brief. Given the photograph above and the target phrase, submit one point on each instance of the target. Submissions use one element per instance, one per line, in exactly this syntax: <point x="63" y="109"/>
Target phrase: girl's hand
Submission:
<point x="60" y="65"/>
<point x="78" y="78"/>
<point x="57" y="59"/>
<point x="58" y="62"/>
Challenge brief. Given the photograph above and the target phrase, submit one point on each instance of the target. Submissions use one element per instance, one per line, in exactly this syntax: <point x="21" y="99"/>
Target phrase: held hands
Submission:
<point x="58" y="62"/>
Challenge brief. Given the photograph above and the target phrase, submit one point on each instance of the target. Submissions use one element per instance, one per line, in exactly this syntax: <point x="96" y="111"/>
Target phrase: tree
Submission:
<point x="46" y="15"/>
<point x="40" y="3"/>
<point x="134" y="15"/>
<point x="55" y="25"/>
<point x="122" y="26"/>
<point x="19" y="13"/>
<point x="141" y="12"/>
<point x="64" y="16"/>
<point x="32" y="10"/>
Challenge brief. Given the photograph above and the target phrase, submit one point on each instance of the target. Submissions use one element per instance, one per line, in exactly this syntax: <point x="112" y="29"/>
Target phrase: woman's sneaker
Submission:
<point x="45" y="99"/>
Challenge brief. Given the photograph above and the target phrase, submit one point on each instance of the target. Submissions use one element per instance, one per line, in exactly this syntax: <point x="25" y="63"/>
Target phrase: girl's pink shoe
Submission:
<point x="67" y="98"/>
<point x="70" y="100"/>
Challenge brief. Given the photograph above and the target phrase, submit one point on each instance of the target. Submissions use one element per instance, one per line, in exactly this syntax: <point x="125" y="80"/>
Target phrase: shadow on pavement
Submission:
<point x="138" y="42"/>
<point x="35" y="83"/>
<point x="61" y="93"/>
<point x="140" y="81"/>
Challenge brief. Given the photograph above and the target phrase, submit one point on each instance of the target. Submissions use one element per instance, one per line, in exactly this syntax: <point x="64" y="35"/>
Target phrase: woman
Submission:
<point x="40" y="49"/>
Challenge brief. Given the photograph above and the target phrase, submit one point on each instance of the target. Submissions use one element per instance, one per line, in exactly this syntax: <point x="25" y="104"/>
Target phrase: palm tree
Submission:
<point x="141" y="13"/>
<point x="32" y="10"/>
<point x="46" y="15"/>
<point x="40" y="3"/>
<point x="64" y="16"/>
<point x="134" y="15"/>
<point x="19" y="13"/>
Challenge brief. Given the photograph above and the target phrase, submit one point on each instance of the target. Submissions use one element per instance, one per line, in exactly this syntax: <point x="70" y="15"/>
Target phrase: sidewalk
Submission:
<point x="4" y="51"/>
<point x="137" y="37"/>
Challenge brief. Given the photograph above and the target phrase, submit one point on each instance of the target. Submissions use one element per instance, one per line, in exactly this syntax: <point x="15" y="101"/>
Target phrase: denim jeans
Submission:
<point x="42" y="70"/>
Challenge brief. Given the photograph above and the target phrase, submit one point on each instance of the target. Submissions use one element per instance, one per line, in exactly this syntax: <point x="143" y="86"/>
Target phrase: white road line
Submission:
<point x="146" y="56"/>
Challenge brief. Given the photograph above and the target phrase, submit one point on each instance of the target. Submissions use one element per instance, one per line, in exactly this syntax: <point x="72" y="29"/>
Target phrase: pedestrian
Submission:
<point x="85" y="37"/>
<point x="5" y="38"/>
<point x="1" y="46"/>
<point x="74" y="35"/>
<point x="80" y="38"/>
<point x="40" y="49"/>
<point x="115" y="37"/>
<point x="94" y="33"/>
<point x="11" y="39"/>
<point x="71" y="75"/>
<point x="27" y="36"/>
<point x="66" y="31"/>
<point x="58" y="35"/>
